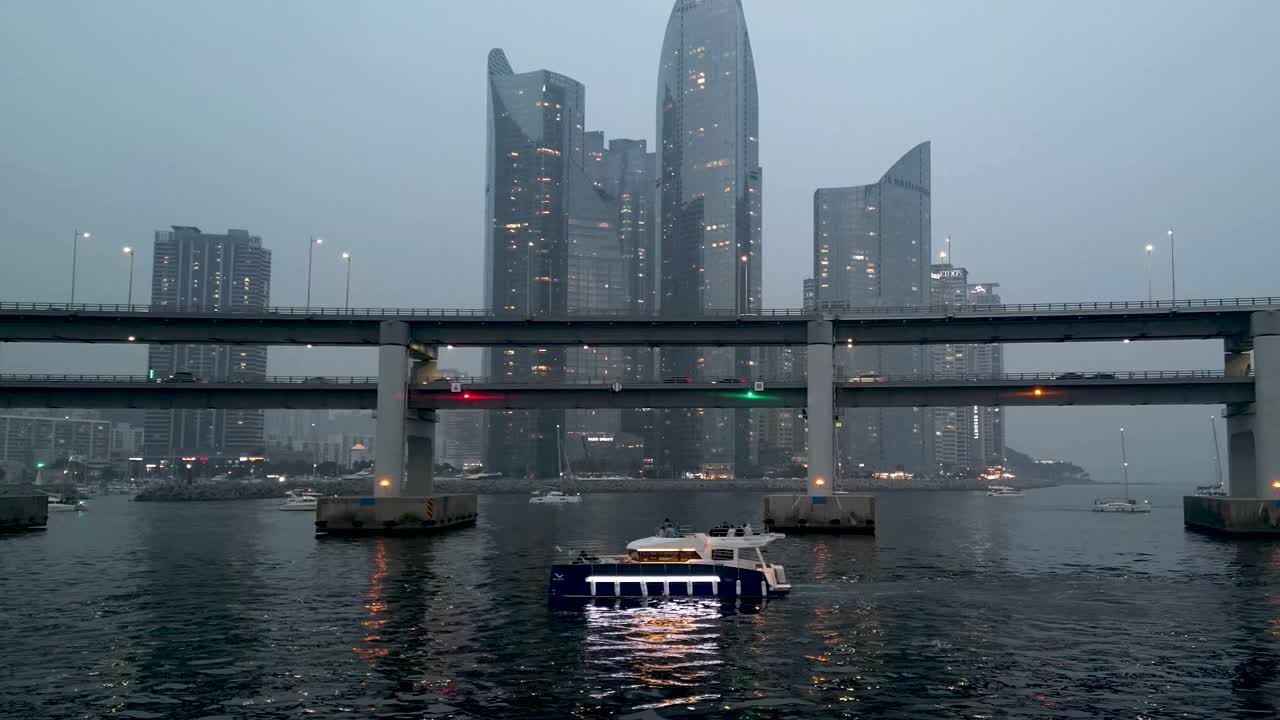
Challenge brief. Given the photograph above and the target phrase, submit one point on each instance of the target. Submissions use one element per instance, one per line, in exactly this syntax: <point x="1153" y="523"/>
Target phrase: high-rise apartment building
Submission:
<point x="533" y="166"/>
<point x="871" y="250"/>
<point x="709" y="210"/>
<point x="966" y="439"/>
<point x="194" y="269"/>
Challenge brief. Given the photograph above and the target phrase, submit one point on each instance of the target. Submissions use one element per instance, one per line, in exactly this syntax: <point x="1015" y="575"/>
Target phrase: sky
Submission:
<point x="1065" y="137"/>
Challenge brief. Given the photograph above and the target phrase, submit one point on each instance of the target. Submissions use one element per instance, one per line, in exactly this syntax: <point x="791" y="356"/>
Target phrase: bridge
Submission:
<point x="1035" y="322"/>
<point x="1248" y="327"/>
<point x="1207" y="387"/>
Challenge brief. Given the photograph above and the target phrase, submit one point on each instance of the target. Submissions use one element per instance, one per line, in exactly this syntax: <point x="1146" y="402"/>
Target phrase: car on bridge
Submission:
<point x="731" y="381"/>
<point x="181" y="376"/>
<point x="868" y="377"/>
<point x="1101" y="376"/>
<point x="677" y="379"/>
<point x="1069" y="376"/>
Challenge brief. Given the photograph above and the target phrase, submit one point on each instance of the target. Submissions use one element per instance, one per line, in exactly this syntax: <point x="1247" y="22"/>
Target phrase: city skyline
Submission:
<point x="1009" y="230"/>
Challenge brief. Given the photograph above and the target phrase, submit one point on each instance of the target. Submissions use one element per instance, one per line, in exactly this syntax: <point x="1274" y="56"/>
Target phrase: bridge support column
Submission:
<point x="1265" y="328"/>
<point x="820" y="509"/>
<point x="393" y="403"/>
<point x="401" y="503"/>
<point x="820" y="363"/>
<point x="1253" y="444"/>
<point x="421" y="441"/>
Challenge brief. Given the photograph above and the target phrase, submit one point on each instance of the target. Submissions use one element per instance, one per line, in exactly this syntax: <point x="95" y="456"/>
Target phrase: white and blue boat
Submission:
<point x="724" y="562"/>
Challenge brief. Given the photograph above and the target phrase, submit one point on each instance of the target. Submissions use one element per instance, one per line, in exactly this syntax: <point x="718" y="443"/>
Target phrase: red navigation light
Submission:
<point x="204" y="459"/>
<point x="466" y="396"/>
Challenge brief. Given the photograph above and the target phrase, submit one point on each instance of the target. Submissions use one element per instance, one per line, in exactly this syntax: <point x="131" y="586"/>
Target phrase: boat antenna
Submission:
<point x="1217" y="454"/>
<point x="1124" y="459"/>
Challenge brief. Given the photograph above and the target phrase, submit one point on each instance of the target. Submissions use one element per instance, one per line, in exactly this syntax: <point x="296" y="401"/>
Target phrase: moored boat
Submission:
<point x="1003" y="491"/>
<point x="724" y="562"/>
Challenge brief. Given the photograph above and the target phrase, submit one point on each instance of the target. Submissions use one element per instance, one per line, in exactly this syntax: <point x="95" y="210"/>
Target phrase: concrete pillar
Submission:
<point x="1242" y="475"/>
<point x="393" y="403"/>
<point x="421" y="438"/>
<point x="821" y="400"/>
<point x="1264" y="326"/>
<point x="1235" y="357"/>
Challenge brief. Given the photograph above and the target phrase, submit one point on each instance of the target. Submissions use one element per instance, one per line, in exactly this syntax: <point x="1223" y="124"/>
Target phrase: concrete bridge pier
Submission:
<point x="1253" y="442"/>
<point x="821" y="510"/>
<point x="401" y="502"/>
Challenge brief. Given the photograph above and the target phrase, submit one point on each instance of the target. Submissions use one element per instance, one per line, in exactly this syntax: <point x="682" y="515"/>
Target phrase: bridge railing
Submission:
<point x="1118" y="376"/>
<point x="366" y="313"/>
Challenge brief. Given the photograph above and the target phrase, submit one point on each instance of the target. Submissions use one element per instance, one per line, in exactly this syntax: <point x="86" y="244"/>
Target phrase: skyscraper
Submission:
<point x="193" y="269"/>
<point x="536" y="194"/>
<point x="709" y="208"/>
<point x="871" y="250"/>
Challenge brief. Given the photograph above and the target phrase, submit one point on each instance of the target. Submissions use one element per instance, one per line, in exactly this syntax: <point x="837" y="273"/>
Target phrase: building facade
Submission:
<point x="871" y="250"/>
<point x="194" y="269"/>
<point x="709" y="215"/>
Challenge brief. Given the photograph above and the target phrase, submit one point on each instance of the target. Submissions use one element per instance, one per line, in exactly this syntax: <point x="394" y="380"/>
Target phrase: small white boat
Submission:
<point x="66" y="504"/>
<point x="1003" y="491"/>
<point x="301" y="501"/>
<point x="555" y="497"/>
<point x="1128" y="505"/>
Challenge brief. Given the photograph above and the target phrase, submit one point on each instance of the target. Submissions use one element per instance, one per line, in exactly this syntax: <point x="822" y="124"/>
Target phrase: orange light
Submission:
<point x="819" y="482"/>
<point x="1037" y="392"/>
<point x="1275" y="484"/>
<point x="385" y="482"/>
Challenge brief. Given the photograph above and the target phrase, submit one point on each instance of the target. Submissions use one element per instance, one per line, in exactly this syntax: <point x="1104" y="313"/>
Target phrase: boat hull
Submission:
<point x="642" y="580"/>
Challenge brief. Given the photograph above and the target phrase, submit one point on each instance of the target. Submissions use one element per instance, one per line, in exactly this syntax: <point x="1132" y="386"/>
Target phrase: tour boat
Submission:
<point x="724" y="562"/>
<point x="555" y="497"/>
<point x="1003" y="491"/>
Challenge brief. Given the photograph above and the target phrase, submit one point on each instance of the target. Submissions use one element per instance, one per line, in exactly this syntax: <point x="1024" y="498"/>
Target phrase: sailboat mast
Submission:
<point x="1124" y="459"/>
<point x="1217" y="455"/>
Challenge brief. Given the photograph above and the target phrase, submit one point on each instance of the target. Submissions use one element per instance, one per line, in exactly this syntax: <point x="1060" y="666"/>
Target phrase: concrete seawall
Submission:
<point x="1231" y="516"/>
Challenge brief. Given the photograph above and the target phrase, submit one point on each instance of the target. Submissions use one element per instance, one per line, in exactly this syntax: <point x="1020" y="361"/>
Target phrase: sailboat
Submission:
<point x="1218" y="490"/>
<point x="1126" y="503"/>
<point x="557" y="497"/>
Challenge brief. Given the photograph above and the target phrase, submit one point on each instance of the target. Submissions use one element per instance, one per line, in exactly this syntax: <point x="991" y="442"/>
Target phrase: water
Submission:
<point x="964" y="606"/>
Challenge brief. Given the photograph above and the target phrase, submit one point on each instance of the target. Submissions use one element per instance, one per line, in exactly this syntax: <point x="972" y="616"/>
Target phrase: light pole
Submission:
<point x="1150" y="291"/>
<point x="1173" y="268"/>
<point x="129" y="251"/>
<point x="746" y="283"/>
<point x="346" y="257"/>
<point x="528" y="282"/>
<point x="75" y="250"/>
<point x="311" y="246"/>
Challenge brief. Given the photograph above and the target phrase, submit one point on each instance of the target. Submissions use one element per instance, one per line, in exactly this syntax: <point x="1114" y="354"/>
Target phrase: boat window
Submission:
<point x="721" y="554"/>
<point x="673" y="555"/>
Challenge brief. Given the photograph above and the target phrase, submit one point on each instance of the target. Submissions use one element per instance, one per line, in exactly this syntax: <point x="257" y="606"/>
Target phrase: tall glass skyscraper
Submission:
<point x="535" y="142"/>
<point x="709" y="205"/>
<point x="194" y="269"/>
<point x="871" y="250"/>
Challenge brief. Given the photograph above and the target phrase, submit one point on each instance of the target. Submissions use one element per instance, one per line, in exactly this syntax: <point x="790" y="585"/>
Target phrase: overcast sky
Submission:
<point x="1065" y="136"/>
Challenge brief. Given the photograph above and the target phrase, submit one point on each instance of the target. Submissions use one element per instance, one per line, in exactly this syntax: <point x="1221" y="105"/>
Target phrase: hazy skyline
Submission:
<point x="1064" y="139"/>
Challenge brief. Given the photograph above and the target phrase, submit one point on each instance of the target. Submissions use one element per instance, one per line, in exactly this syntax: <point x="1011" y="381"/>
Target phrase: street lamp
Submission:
<point x="75" y="250"/>
<point x="1150" y="292"/>
<point x="746" y="283"/>
<point x="311" y="246"/>
<point x="129" y="251"/>
<point x="346" y="257"/>
<point x="1173" y="268"/>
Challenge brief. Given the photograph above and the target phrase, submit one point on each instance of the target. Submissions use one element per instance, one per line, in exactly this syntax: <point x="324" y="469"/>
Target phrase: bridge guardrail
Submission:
<point x="604" y="381"/>
<point x="768" y="313"/>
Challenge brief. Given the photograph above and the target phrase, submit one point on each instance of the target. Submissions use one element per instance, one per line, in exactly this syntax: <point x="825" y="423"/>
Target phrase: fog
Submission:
<point x="1065" y="137"/>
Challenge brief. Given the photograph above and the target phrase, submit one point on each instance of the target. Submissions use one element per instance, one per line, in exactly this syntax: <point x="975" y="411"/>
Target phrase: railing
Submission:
<point x="605" y="381"/>
<point x="367" y="313"/>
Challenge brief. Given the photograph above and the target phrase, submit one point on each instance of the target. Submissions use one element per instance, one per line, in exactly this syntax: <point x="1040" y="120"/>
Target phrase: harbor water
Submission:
<point x="963" y="606"/>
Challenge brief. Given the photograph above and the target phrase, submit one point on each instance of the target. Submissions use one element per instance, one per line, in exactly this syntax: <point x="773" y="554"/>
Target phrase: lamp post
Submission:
<point x="1173" y="268"/>
<point x="346" y="257"/>
<point x="746" y="285"/>
<point x="1150" y="291"/>
<point x="75" y="250"/>
<point x="311" y="246"/>
<point x="129" y="251"/>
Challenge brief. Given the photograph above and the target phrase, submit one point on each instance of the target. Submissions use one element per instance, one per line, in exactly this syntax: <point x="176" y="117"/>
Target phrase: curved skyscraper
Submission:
<point x="871" y="250"/>
<point x="709" y="203"/>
